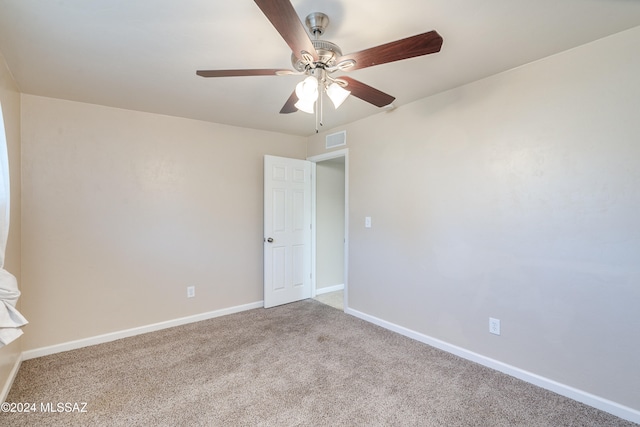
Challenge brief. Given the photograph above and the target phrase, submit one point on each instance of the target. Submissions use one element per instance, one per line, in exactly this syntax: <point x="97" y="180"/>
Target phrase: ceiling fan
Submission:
<point x="319" y="59"/>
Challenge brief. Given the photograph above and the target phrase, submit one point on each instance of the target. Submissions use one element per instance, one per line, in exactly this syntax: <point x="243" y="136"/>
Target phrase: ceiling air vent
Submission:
<point x="336" y="139"/>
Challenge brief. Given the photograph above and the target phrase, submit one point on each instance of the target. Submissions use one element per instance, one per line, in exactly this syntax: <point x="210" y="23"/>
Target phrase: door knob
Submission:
<point x="270" y="240"/>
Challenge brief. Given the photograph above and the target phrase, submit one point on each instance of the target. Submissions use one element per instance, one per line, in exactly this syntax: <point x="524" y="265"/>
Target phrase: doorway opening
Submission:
<point x="330" y="215"/>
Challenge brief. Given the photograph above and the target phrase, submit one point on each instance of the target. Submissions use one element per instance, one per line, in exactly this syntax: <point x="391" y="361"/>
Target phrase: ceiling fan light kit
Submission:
<point x="319" y="59"/>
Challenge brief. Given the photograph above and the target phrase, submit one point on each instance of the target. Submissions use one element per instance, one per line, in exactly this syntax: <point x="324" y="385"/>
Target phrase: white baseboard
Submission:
<point x="99" y="339"/>
<point x="327" y="289"/>
<point x="598" y="402"/>
<point x="12" y="376"/>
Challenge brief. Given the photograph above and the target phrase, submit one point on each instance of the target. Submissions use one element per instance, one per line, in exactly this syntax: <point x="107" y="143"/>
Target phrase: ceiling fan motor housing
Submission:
<point x="328" y="52"/>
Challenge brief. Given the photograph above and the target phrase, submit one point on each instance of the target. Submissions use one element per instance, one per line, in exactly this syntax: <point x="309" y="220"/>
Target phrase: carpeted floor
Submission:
<point x="300" y="364"/>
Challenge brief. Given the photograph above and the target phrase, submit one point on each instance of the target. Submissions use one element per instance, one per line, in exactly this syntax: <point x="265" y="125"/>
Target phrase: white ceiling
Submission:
<point x="143" y="54"/>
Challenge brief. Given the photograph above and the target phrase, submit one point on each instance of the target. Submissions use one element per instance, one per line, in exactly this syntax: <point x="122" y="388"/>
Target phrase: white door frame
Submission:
<point x="319" y="158"/>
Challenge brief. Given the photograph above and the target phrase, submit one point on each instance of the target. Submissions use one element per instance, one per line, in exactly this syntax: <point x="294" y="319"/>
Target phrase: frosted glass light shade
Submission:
<point x="337" y="94"/>
<point x="305" y="105"/>
<point x="307" y="93"/>
<point x="307" y="89"/>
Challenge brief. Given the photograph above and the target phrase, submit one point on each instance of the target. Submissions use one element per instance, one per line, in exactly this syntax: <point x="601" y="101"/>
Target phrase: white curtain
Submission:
<point x="10" y="319"/>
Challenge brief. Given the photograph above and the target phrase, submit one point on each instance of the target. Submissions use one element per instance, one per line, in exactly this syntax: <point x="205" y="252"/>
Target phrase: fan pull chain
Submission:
<point x="320" y="97"/>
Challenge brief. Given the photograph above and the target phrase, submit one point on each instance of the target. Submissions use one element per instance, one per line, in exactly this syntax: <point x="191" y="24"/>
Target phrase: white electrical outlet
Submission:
<point x="494" y="326"/>
<point x="191" y="291"/>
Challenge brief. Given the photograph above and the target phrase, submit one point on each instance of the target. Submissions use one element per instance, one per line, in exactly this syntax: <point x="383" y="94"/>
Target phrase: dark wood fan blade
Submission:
<point x="289" y="106"/>
<point x="367" y="93"/>
<point x="233" y="73"/>
<point x="285" y="19"/>
<point x="422" y="44"/>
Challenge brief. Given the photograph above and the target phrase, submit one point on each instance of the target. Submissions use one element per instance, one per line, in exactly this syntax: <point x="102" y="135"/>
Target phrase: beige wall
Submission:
<point x="123" y="210"/>
<point x="330" y="223"/>
<point x="515" y="197"/>
<point x="10" y="100"/>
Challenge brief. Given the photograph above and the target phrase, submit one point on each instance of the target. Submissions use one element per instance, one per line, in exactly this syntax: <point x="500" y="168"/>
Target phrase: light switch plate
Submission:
<point x="367" y="222"/>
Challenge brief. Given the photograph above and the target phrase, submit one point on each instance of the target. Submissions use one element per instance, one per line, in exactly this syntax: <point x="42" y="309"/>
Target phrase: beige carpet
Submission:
<point x="300" y="364"/>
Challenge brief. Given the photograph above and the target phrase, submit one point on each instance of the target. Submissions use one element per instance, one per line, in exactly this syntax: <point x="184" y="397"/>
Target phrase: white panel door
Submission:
<point x="287" y="230"/>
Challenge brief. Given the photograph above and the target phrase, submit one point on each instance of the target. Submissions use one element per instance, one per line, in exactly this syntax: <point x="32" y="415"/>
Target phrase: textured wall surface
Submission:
<point x="123" y="210"/>
<point x="515" y="197"/>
